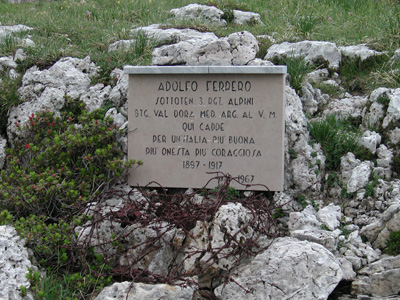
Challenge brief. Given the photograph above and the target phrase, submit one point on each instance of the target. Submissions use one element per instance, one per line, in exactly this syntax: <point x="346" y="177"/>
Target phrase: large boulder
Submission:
<point x="288" y="269"/>
<point x="237" y="49"/>
<point x="141" y="291"/>
<point x="14" y="264"/>
<point x="70" y="75"/>
<point x="312" y="51"/>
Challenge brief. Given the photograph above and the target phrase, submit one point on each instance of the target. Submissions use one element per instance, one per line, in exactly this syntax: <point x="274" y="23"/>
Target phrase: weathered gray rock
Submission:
<point x="393" y="111"/>
<point x="7" y="62"/>
<point x="288" y="269"/>
<point x="330" y="215"/>
<point x="307" y="168"/>
<point x="395" y="136"/>
<point x="237" y="49"/>
<point x="305" y="225"/>
<point x="317" y="76"/>
<point x="209" y="14"/>
<point x="14" y="264"/>
<point x="312" y="98"/>
<point x="311" y="51"/>
<point x="136" y="238"/>
<point x="119" y="93"/>
<point x="7" y="30"/>
<point x="229" y="220"/>
<point x="162" y="36"/>
<point x="121" y="45"/>
<point x="260" y="62"/>
<point x="70" y="75"/>
<point x="370" y="140"/>
<point x="3" y="143"/>
<point x="380" y="278"/>
<point x="246" y="17"/>
<point x="95" y="97"/>
<point x="51" y="99"/>
<point x="20" y="55"/>
<point x="376" y="112"/>
<point x="378" y="232"/>
<point x="345" y="107"/>
<point x="384" y="161"/>
<point x="361" y="51"/>
<point x="117" y="117"/>
<point x="295" y="120"/>
<point x="359" y="177"/>
<point x="140" y="291"/>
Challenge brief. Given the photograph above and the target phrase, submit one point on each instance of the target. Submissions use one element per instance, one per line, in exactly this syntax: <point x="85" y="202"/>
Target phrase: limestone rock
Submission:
<point x="246" y="17"/>
<point x="3" y="143"/>
<point x="393" y="111"/>
<point x="359" y="177"/>
<point x="374" y="116"/>
<point x="288" y="269"/>
<point x="380" y="278"/>
<point x="229" y="220"/>
<point x="209" y="14"/>
<point x="7" y="30"/>
<point x="370" y="140"/>
<point x="312" y="98"/>
<point x="378" y="232"/>
<point x="296" y="123"/>
<point x="361" y="51"/>
<point x="237" y="49"/>
<point x="14" y="264"/>
<point x="95" y="97"/>
<point x="330" y="215"/>
<point x="118" y="118"/>
<point x="384" y="161"/>
<point x="311" y="51"/>
<point x="307" y="168"/>
<point x="305" y="225"/>
<point x="140" y="291"/>
<point x="121" y="45"/>
<point x="7" y="62"/>
<point x="347" y="106"/>
<point x="119" y="93"/>
<point x="161" y="36"/>
<point x="317" y="76"/>
<point x="395" y="136"/>
<point x="70" y="75"/>
<point x="136" y="238"/>
<point x="51" y="99"/>
<point x="260" y="62"/>
<point x="20" y="55"/>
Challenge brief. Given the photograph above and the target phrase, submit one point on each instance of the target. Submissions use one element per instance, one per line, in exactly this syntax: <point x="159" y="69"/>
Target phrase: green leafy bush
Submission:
<point x="60" y="163"/>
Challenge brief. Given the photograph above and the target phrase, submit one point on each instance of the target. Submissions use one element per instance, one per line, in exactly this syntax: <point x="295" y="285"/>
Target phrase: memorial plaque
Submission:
<point x="185" y="122"/>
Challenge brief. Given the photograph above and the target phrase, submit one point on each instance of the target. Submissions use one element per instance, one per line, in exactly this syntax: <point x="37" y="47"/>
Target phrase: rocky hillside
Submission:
<point x="334" y="230"/>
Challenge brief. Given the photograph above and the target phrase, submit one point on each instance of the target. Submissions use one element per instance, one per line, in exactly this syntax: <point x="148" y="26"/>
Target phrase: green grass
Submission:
<point x="337" y="137"/>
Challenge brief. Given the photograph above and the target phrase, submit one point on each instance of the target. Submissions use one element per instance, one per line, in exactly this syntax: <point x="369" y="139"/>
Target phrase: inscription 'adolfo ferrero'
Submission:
<point x="194" y="124"/>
